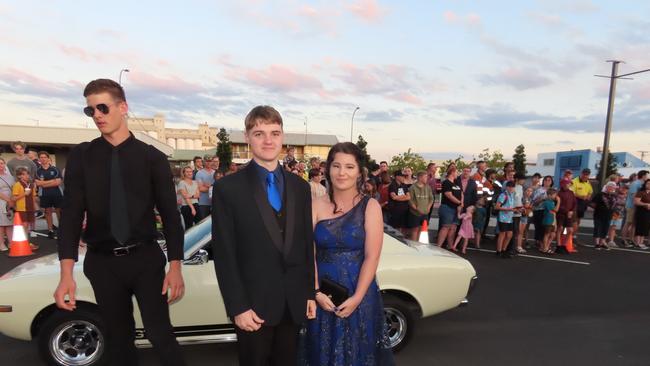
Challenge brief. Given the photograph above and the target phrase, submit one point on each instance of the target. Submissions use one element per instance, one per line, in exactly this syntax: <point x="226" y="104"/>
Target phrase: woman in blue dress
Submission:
<point x="348" y="234"/>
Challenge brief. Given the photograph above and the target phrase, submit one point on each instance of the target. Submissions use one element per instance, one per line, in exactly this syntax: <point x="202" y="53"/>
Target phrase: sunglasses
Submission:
<point x="90" y="111"/>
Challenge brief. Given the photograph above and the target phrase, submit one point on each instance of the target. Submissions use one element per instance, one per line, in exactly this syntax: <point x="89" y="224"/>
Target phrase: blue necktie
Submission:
<point x="273" y="193"/>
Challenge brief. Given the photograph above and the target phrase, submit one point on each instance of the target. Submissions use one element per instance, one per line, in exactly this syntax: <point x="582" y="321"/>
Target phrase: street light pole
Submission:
<point x="610" y="113"/>
<point x="121" y="71"/>
<point x="352" y="123"/>
<point x="608" y="122"/>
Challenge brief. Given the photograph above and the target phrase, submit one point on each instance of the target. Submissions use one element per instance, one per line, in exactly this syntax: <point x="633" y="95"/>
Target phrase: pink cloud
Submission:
<point x="469" y="20"/>
<point x="450" y="16"/>
<point x="21" y="82"/>
<point x="169" y="85"/>
<point x="275" y="78"/>
<point x="367" y="10"/>
<point x="406" y="97"/>
<point x="395" y="82"/>
<point x="473" y="19"/>
<point x="77" y="52"/>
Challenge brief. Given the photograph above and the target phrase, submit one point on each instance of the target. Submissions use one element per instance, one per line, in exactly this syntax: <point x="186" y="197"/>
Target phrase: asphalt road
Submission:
<point x="590" y="308"/>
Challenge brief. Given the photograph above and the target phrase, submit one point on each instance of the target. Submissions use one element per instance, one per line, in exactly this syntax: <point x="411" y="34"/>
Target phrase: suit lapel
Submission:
<point x="265" y="209"/>
<point x="289" y="191"/>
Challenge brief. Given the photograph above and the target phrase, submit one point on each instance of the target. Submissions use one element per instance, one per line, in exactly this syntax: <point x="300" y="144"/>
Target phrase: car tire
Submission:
<point x="73" y="338"/>
<point x="400" y="318"/>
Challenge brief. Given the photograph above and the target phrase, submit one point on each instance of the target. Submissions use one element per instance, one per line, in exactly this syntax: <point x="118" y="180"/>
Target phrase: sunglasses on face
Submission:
<point x="90" y="111"/>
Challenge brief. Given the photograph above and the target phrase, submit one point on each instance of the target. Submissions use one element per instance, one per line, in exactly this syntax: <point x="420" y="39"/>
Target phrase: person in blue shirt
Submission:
<point x="628" y="229"/>
<point x="550" y="206"/>
<point x="505" y="205"/>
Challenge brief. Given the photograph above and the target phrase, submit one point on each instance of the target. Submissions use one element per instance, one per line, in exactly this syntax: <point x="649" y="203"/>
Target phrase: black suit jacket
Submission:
<point x="257" y="266"/>
<point x="469" y="194"/>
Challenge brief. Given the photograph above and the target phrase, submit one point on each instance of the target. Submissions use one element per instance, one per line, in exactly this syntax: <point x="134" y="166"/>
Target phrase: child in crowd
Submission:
<point x="550" y="207"/>
<point x="617" y="215"/>
<point x="505" y="205"/>
<point x="478" y="220"/>
<point x="526" y="213"/>
<point x="23" y="193"/>
<point x="466" y="231"/>
<point x="603" y="204"/>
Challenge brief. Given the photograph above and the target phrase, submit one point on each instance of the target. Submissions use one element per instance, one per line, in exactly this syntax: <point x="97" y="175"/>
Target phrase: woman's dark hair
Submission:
<point x="549" y="177"/>
<point x="374" y="187"/>
<point x="313" y="172"/>
<point x="345" y="148"/>
<point x="451" y="171"/>
<point x="385" y="178"/>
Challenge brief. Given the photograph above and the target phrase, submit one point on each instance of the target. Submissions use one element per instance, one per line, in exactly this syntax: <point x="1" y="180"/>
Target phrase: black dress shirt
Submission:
<point x="263" y="172"/>
<point x="148" y="185"/>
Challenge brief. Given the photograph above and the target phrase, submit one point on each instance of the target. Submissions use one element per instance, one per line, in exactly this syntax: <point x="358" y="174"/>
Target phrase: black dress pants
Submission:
<point x="269" y="346"/>
<point x="538" y="219"/>
<point x="188" y="219"/>
<point x="115" y="280"/>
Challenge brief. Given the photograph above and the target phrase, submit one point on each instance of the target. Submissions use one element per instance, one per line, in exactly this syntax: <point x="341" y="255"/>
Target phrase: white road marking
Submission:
<point x="536" y="257"/>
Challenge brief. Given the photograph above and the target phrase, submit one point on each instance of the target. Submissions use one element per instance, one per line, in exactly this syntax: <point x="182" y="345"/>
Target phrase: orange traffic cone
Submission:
<point x="424" y="232"/>
<point x="19" y="245"/>
<point x="568" y="242"/>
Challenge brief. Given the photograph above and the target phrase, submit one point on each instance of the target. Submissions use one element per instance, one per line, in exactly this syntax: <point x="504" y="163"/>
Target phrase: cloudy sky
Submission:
<point x="442" y="77"/>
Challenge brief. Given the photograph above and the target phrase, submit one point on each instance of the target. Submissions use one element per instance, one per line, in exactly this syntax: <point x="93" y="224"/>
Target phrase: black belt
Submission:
<point x="109" y="248"/>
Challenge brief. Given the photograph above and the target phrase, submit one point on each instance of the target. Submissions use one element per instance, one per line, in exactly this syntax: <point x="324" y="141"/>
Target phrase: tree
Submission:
<point x="611" y="167"/>
<point x="224" y="149"/>
<point x="408" y="159"/>
<point x="367" y="160"/>
<point x="519" y="158"/>
<point x="493" y="160"/>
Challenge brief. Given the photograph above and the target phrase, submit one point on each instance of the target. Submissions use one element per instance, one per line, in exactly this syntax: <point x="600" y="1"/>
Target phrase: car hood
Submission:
<point x="45" y="265"/>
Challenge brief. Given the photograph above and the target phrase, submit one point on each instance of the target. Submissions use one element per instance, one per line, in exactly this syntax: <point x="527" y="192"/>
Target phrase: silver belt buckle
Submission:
<point x="121" y="251"/>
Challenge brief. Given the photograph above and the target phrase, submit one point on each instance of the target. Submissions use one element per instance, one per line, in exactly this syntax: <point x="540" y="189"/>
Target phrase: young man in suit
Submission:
<point x="263" y="247"/>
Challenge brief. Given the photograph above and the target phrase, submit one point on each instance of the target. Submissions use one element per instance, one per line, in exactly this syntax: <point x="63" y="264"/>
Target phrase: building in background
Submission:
<point x="202" y="138"/>
<point x="58" y="141"/>
<point x="555" y="163"/>
<point x="188" y="143"/>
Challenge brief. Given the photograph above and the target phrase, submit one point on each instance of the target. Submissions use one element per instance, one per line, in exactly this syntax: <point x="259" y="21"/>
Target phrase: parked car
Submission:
<point x="417" y="280"/>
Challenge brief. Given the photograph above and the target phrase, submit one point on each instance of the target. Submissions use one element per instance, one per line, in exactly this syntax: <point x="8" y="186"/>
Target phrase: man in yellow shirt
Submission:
<point x="583" y="190"/>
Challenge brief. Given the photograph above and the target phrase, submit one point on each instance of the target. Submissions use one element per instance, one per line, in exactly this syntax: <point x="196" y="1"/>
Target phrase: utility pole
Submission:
<point x="610" y="112"/>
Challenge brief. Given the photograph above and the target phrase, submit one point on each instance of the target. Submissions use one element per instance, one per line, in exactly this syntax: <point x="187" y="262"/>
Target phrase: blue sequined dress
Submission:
<point x="360" y="339"/>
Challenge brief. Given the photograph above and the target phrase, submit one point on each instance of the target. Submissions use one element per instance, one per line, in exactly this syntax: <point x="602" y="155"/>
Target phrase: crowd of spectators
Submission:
<point x="468" y="199"/>
<point x="471" y="197"/>
<point x="29" y="183"/>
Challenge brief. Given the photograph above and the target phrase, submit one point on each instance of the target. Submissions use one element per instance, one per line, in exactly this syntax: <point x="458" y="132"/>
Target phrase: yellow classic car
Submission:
<point x="416" y="279"/>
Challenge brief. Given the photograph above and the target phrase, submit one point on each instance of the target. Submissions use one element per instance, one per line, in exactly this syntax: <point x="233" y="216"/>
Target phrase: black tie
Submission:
<point x="118" y="209"/>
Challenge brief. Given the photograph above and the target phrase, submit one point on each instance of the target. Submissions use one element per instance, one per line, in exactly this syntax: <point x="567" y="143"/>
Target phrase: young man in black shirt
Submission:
<point x="48" y="178"/>
<point x="123" y="258"/>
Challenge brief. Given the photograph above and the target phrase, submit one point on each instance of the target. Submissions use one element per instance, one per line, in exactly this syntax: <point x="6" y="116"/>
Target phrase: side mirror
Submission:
<point x="199" y="258"/>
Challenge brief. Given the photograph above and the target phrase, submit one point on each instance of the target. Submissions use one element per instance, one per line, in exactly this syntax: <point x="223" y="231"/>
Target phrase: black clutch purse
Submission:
<point x="334" y="290"/>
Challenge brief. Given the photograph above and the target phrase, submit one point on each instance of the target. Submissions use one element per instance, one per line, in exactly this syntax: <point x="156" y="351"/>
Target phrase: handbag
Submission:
<point x="334" y="290"/>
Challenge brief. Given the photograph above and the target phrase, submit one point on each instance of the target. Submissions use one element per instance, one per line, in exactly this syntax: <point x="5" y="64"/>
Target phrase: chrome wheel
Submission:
<point x="76" y="343"/>
<point x="397" y="325"/>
